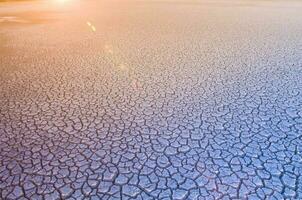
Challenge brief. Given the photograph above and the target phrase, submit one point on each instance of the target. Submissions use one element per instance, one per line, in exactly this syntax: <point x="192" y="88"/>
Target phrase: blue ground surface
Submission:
<point x="157" y="101"/>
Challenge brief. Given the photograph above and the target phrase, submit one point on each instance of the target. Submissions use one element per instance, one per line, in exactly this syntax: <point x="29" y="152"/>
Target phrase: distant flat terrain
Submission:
<point x="142" y="99"/>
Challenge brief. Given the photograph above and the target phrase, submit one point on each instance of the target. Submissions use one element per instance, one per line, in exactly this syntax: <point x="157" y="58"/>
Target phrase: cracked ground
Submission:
<point x="151" y="100"/>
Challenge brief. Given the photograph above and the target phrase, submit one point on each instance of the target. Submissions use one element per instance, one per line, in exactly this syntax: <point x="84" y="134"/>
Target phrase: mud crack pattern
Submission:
<point x="152" y="104"/>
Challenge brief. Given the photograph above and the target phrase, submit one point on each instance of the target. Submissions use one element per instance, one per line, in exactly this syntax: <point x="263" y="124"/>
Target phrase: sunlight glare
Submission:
<point x="62" y="1"/>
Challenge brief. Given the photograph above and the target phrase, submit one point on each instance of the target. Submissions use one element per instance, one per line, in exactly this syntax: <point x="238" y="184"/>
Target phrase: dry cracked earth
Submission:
<point x="151" y="100"/>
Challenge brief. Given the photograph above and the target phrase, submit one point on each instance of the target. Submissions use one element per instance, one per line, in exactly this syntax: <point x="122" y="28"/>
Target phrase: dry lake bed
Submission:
<point x="155" y="99"/>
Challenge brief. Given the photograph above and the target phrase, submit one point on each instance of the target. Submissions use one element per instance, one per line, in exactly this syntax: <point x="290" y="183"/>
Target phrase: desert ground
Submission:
<point x="158" y="99"/>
